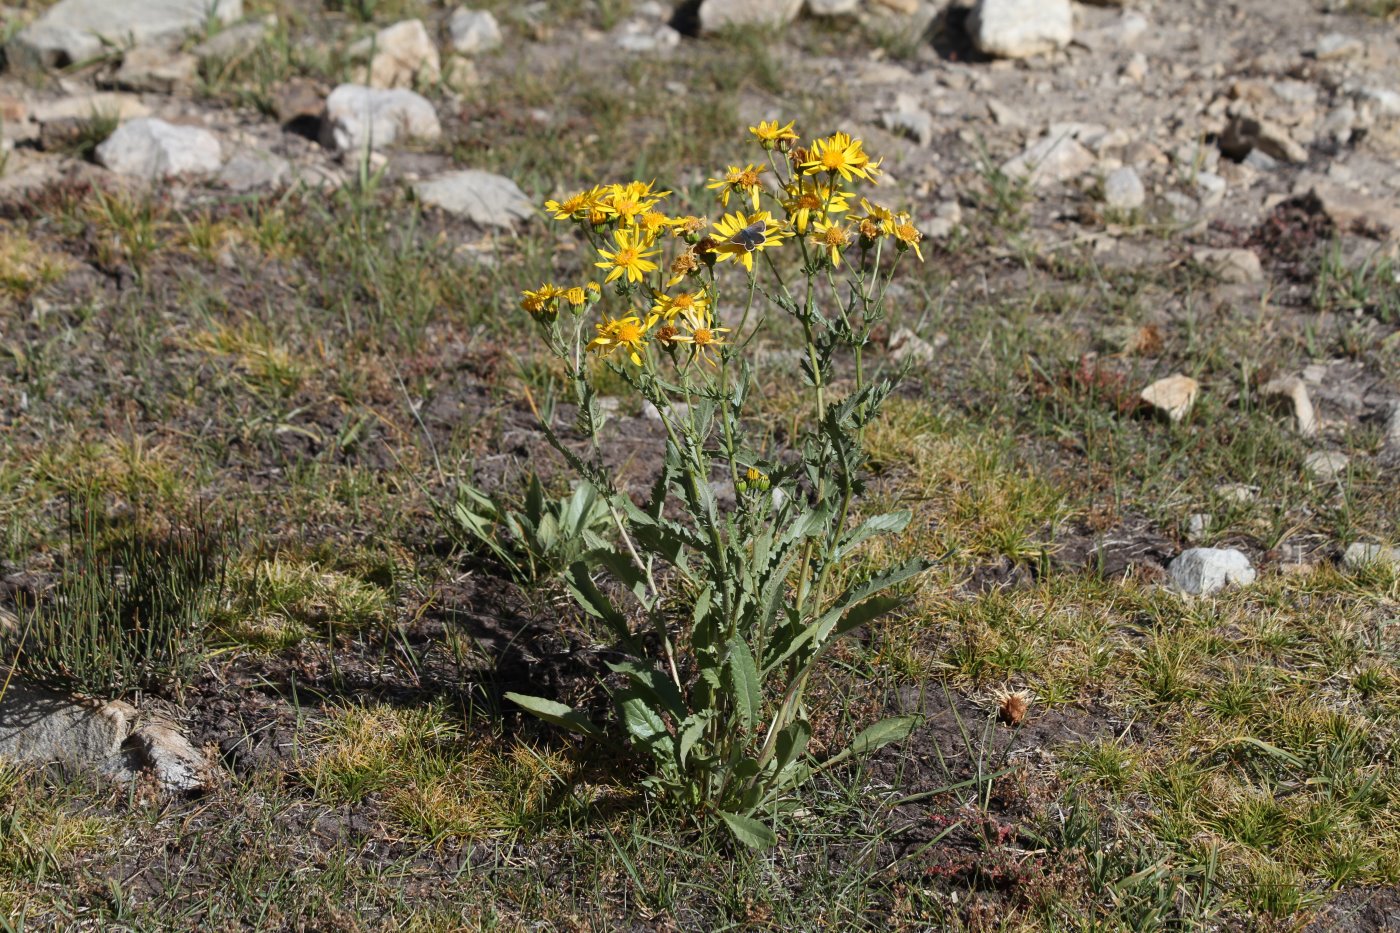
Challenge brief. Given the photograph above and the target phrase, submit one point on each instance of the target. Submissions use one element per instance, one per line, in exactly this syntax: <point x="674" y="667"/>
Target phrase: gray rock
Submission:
<point x="358" y="117"/>
<point x="107" y="104"/>
<point x="1205" y="570"/>
<point x="482" y="197"/>
<point x="1235" y="266"/>
<point x="74" y="30"/>
<point x="1335" y="46"/>
<point x="1197" y="525"/>
<point x="916" y="123"/>
<point x="1326" y="465"/>
<point x="254" y="170"/>
<point x="832" y="7"/>
<point x="723" y="14"/>
<point x="1360" y="555"/>
<point x="1052" y="159"/>
<point x="642" y="36"/>
<point x="1123" y="32"/>
<point x="1021" y="28"/>
<point x="39" y="726"/>
<point x="157" y="69"/>
<point x="235" y="41"/>
<point x="153" y="149"/>
<point x="473" y="31"/>
<point x="402" y="55"/>
<point x="1179" y="208"/>
<point x="907" y="346"/>
<point x="1211" y="188"/>
<point x="1123" y="189"/>
<point x="175" y="764"/>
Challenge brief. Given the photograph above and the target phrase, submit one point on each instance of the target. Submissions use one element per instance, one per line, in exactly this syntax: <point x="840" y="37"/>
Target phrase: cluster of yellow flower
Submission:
<point x="628" y="232"/>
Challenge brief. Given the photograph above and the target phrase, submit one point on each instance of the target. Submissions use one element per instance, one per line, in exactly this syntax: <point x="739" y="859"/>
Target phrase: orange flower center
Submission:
<point x="628" y="332"/>
<point x="748" y="179"/>
<point x="703" y="336"/>
<point x="833" y="159"/>
<point x="834" y="236"/>
<point x="625" y="257"/>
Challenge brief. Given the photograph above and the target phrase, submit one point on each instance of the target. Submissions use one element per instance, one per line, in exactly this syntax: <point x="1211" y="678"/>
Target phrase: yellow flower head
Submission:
<point x="688" y="225"/>
<point x="692" y="305"/>
<point x="739" y="236"/>
<point x="629" y="257"/>
<point x="772" y="136"/>
<point x="542" y="302"/>
<point x="654" y="222"/>
<point x="577" y="296"/>
<point x="627" y="334"/>
<point x="832" y="238"/>
<point x="687" y="263"/>
<point x="632" y="200"/>
<point x="703" y="338"/>
<point x="572" y="207"/>
<point x="741" y="181"/>
<point x="838" y="154"/>
<point x="809" y="199"/>
<point x="907" y="236"/>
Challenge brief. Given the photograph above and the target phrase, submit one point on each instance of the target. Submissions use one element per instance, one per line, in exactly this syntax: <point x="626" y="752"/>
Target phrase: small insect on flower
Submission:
<point x="739" y="237"/>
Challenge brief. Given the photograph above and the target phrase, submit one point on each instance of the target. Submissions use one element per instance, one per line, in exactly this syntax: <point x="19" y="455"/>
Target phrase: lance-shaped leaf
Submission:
<point x="872" y="738"/>
<point x="749" y="831"/>
<point x="743" y="675"/>
<point x="593" y="602"/>
<point x="557" y="713"/>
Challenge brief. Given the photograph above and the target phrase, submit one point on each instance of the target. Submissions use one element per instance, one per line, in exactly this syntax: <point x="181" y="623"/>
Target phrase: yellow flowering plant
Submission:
<point x="714" y="694"/>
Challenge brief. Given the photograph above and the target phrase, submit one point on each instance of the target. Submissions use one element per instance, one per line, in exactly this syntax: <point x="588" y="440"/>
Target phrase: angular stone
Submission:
<point x="1173" y="396"/>
<point x="175" y="764"/>
<point x="915" y="123"/>
<point x="905" y="345"/>
<point x="254" y="170"/>
<point x="1052" y="159"/>
<point x="1334" y="46"/>
<point x="156" y="69"/>
<point x="358" y="117"/>
<point x="73" y="30"/>
<point x="481" y="197"/>
<point x="235" y="41"/>
<point x="1205" y="570"/>
<point x="716" y="15"/>
<point x="1234" y="266"/>
<point x="39" y="726"/>
<point x="1123" y="189"/>
<point x="473" y="31"/>
<point x="1326" y="465"/>
<point x="1360" y="555"/>
<point x="105" y="104"/>
<point x="153" y="149"/>
<point x="403" y="55"/>
<point x="1021" y="28"/>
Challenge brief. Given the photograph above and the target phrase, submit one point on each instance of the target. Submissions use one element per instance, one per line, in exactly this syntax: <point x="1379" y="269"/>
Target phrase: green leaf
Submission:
<point x="556" y="713"/>
<point x="749" y="831"/>
<point x="748" y="689"/>
<point x="872" y="738"/>
<point x="887" y="523"/>
<point x="592" y="601"/>
<point x="659" y="688"/>
<point x="642" y="721"/>
<point x="692" y="730"/>
<point x="792" y="742"/>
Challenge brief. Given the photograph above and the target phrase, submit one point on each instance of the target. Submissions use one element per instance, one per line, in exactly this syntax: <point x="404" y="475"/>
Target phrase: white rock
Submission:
<point x="1296" y="391"/>
<point x="1237" y="493"/>
<point x="716" y="15"/>
<point x="1052" y="159"/>
<point x="1124" y="31"/>
<point x="358" y="116"/>
<point x="1173" y="396"/>
<point x="1021" y="28"/>
<point x="1197" y="524"/>
<point x="153" y="149"/>
<point x="641" y="36"/>
<point x="473" y="31"/>
<point x="157" y="69"/>
<point x="905" y="345"/>
<point x="1003" y="114"/>
<point x="74" y="30"/>
<point x="1204" y="570"/>
<point x="1211" y="188"/>
<point x="39" y="726"/>
<point x="1235" y="266"/>
<point x="84" y="106"/>
<point x="1326" y="465"/>
<point x="481" y="197"/>
<point x="403" y="55"/>
<point x="1383" y="100"/>
<point x="916" y="123"/>
<point x="253" y="170"/>
<point x="235" y="41"/>
<point x="1361" y="555"/>
<point x="1136" y="68"/>
<point x="832" y="7"/>
<point x="1335" y="46"/>
<point x="171" y="759"/>
<point x="1123" y="189"/>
